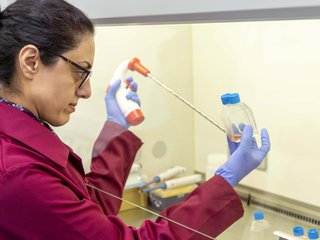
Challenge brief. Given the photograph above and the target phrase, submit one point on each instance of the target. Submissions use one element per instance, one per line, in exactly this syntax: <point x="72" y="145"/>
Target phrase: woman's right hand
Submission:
<point x="114" y="113"/>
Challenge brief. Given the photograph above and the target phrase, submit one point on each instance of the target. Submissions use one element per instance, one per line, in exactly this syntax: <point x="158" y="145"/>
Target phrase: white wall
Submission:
<point x="168" y="127"/>
<point x="275" y="68"/>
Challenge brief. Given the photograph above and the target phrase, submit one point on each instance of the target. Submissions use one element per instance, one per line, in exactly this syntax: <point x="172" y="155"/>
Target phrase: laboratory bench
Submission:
<point x="240" y="230"/>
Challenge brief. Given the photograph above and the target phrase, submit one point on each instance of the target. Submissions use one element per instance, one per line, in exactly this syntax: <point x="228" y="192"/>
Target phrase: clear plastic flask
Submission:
<point x="235" y="115"/>
<point x="260" y="227"/>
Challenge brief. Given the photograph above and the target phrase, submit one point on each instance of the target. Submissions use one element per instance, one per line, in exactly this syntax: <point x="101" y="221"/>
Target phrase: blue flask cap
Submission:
<point x="258" y="215"/>
<point x="313" y="233"/>
<point x="230" y="98"/>
<point x="298" y="231"/>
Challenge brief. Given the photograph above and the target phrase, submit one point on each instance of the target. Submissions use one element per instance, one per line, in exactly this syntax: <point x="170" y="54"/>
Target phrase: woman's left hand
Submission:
<point x="245" y="157"/>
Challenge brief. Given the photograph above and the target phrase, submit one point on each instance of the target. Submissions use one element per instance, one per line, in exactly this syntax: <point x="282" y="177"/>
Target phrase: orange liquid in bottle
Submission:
<point x="235" y="137"/>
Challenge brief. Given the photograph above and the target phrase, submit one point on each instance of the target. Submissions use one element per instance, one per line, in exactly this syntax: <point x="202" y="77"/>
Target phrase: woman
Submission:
<point x="46" y="53"/>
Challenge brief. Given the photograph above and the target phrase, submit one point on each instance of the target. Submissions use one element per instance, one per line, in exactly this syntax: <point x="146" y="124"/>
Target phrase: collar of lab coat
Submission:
<point x="29" y="131"/>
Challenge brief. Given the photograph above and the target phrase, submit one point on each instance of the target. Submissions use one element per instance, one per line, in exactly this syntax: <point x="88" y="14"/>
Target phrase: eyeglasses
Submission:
<point x="84" y="75"/>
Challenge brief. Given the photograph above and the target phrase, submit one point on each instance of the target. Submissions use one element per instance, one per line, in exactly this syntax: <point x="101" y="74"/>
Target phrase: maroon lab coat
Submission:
<point x="43" y="192"/>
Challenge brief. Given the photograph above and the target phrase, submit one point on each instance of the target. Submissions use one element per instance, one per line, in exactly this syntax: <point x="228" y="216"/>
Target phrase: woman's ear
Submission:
<point x="29" y="61"/>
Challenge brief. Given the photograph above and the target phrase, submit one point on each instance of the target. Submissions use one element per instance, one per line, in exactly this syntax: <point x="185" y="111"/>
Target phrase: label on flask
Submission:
<point x="259" y="225"/>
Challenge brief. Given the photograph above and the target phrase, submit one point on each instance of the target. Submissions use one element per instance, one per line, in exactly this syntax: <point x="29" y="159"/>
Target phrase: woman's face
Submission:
<point x="55" y="89"/>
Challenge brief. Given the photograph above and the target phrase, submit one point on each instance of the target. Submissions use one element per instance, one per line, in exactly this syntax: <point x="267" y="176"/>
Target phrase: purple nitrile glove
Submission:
<point x="114" y="113"/>
<point x="246" y="156"/>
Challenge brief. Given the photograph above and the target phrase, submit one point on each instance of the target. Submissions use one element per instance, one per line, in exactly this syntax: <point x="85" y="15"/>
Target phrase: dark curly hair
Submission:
<point x="53" y="26"/>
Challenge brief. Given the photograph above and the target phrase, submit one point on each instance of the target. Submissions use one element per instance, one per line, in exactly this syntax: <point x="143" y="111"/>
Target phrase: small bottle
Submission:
<point x="236" y="115"/>
<point x="259" y="227"/>
<point x="299" y="232"/>
<point x="313" y="234"/>
<point x="259" y="223"/>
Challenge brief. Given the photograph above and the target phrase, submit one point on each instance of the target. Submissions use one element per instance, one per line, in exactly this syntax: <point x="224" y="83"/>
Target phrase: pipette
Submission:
<point x="177" y="182"/>
<point x="135" y="65"/>
<point x="170" y="173"/>
<point x="130" y="109"/>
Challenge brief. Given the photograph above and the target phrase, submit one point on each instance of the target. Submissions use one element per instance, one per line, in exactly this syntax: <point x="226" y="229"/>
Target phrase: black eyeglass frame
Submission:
<point x="88" y="72"/>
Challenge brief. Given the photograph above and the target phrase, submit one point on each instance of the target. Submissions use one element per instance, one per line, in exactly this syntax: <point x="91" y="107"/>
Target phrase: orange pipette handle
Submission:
<point x="135" y="65"/>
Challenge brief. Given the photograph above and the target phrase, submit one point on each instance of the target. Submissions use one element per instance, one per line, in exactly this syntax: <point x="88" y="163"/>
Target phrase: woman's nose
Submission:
<point x="85" y="90"/>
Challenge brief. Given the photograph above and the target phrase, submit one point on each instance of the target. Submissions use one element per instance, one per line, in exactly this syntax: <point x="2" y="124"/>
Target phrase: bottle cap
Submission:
<point x="313" y="233"/>
<point x="135" y="117"/>
<point x="230" y="98"/>
<point x="258" y="215"/>
<point x="225" y="98"/>
<point x="298" y="231"/>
